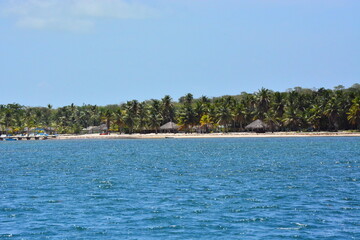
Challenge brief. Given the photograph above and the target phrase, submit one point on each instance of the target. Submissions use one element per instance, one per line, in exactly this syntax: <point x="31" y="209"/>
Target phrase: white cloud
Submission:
<point x="71" y="14"/>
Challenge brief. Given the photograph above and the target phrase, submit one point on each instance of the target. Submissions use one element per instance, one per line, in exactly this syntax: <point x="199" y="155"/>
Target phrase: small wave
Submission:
<point x="252" y="200"/>
<point x="79" y="228"/>
<point x="6" y="235"/>
<point x="251" y="220"/>
<point x="228" y="196"/>
<point x="7" y="209"/>
<point x="105" y="184"/>
<point x="349" y="208"/>
<point x="53" y="201"/>
<point x="265" y="207"/>
<point x="164" y="227"/>
<point x="350" y="179"/>
<point x="283" y="228"/>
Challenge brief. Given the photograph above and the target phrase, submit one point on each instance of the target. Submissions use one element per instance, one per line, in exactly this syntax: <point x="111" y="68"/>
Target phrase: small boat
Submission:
<point x="10" y="139"/>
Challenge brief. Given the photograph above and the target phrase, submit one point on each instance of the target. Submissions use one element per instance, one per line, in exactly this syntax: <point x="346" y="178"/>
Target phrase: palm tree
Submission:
<point x="118" y="117"/>
<point x="206" y="122"/>
<point x="212" y="112"/>
<point x="186" y="116"/>
<point x="199" y="111"/>
<point x="29" y="120"/>
<point x="354" y="112"/>
<point x="271" y="120"/>
<point x="187" y="99"/>
<point x="262" y="103"/>
<point x="131" y="114"/>
<point x="224" y="111"/>
<point x="239" y="115"/>
<point x="314" y="116"/>
<point x="47" y="115"/>
<point x="292" y="118"/>
<point x="332" y="111"/>
<point x="278" y="104"/>
<point x="8" y="119"/>
<point x="94" y="118"/>
<point x="142" y="114"/>
<point x="130" y="121"/>
<point x="107" y="116"/>
<point x="224" y="116"/>
<point x="155" y="115"/>
<point x="249" y="103"/>
<point x="204" y="100"/>
<point x="167" y="108"/>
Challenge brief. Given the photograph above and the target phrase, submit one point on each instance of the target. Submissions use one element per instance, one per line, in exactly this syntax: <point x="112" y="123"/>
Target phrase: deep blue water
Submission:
<point x="273" y="188"/>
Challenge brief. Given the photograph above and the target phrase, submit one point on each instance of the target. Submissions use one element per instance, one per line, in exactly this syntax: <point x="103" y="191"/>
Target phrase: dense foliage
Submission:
<point x="294" y="110"/>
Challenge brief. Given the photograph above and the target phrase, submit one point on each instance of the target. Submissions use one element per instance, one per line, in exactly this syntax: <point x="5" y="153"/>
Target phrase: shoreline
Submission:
<point x="209" y="135"/>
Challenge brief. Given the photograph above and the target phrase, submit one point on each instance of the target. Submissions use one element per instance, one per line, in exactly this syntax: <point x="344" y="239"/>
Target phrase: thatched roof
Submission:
<point x="257" y="124"/>
<point x="170" y="126"/>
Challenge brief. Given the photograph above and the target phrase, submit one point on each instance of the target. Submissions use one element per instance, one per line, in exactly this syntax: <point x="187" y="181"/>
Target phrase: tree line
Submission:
<point x="297" y="109"/>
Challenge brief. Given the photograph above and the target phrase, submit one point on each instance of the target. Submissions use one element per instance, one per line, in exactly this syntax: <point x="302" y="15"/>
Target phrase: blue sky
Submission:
<point x="110" y="51"/>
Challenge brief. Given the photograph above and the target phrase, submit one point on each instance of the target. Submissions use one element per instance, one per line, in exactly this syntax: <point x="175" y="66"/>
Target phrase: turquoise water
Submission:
<point x="273" y="188"/>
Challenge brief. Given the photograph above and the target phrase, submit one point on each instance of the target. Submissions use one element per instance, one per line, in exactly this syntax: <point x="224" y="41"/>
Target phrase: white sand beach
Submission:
<point x="210" y="135"/>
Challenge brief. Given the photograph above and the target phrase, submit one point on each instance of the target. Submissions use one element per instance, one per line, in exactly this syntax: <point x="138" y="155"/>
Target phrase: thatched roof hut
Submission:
<point x="257" y="126"/>
<point x="170" y="126"/>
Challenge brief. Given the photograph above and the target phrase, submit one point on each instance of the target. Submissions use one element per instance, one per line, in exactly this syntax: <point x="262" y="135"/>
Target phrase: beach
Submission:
<point x="209" y="135"/>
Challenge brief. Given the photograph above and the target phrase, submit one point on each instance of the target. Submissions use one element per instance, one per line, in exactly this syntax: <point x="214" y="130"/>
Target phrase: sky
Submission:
<point x="111" y="51"/>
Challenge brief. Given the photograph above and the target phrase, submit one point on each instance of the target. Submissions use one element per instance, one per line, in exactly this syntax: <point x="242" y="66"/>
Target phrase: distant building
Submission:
<point x="170" y="127"/>
<point x="257" y="126"/>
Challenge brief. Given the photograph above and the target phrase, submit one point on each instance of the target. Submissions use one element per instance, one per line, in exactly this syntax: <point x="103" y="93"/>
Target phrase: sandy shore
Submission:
<point x="211" y="135"/>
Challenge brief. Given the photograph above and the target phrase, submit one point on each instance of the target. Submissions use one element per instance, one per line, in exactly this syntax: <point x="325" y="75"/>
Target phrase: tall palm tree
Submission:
<point x="187" y="99"/>
<point x="131" y="115"/>
<point x="263" y="98"/>
<point x="204" y="100"/>
<point x="271" y="120"/>
<point x="199" y="110"/>
<point x="142" y="114"/>
<point x="239" y="115"/>
<point x="354" y="112"/>
<point x="8" y="119"/>
<point x="314" y="116"/>
<point x="118" y="117"/>
<point x="94" y="117"/>
<point x="167" y="109"/>
<point x="332" y="111"/>
<point x="155" y="114"/>
<point x="107" y="117"/>
<point x="186" y="117"/>
<point x="292" y="118"/>
<point x="28" y="120"/>
<point x="278" y="104"/>
<point x="206" y="122"/>
<point x="224" y="116"/>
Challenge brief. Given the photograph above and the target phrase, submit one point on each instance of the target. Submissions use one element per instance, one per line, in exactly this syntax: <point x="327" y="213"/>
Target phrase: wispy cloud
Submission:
<point x="71" y="14"/>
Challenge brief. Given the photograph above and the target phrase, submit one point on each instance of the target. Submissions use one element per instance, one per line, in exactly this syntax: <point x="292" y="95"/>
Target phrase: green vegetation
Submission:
<point x="298" y="109"/>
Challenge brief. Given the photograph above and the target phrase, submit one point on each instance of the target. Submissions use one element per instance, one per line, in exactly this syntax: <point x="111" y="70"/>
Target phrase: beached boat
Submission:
<point x="10" y="139"/>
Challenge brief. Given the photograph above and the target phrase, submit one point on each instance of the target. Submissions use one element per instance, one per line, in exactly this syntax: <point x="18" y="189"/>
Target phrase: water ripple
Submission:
<point x="181" y="189"/>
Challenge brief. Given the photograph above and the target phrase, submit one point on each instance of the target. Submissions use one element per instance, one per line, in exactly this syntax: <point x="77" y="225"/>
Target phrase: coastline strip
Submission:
<point x="209" y="135"/>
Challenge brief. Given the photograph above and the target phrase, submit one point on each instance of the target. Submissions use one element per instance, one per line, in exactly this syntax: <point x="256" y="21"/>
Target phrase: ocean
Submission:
<point x="238" y="188"/>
